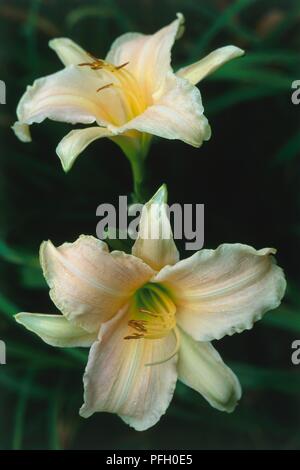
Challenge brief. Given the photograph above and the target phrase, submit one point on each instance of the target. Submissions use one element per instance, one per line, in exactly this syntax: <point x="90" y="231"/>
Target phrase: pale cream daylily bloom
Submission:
<point x="149" y="317"/>
<point x="129" y="96"/>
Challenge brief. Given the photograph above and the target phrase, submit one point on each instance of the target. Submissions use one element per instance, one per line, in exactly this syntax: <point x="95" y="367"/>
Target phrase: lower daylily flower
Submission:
<point x="148" y="318"/>
<point x="130" y="95"/>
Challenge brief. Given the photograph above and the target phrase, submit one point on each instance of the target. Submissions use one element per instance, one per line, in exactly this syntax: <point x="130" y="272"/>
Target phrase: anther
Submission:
<point x="138" y="325"/>
<point x="105" y="86"/>
<point x="121" y="66"/>
<point x="134" y="336"/>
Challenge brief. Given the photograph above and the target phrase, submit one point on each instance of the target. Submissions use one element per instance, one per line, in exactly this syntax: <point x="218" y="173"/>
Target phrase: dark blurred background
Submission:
<point x="247" y="176"/>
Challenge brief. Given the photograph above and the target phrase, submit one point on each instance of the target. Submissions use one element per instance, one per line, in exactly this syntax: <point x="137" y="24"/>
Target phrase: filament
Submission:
<point x="173" y="353"/>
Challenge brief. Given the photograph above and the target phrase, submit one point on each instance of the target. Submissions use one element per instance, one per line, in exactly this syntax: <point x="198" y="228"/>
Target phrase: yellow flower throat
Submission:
<point x="132" y="97"/>
<point x="152" y="313"/>
<point x="152" y="317"/>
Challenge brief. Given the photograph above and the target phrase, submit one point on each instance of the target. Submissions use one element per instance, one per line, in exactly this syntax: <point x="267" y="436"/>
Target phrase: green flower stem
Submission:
<point x="136" y="153"/>
<point x="138" y="172"/>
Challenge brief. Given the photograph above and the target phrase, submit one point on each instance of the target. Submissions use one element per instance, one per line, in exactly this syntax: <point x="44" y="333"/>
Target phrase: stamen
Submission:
<point x="131" y="96"/>
<point x="134" y="336"/>
<point x="121" y="66"/>
<point x="152" y="317"/>
<point x="104" y="87"/>
<point x="138" y="325"/>
<point x="137" y="109"/>
<point x="97" y="64"/>
<point x="156" y="327"/>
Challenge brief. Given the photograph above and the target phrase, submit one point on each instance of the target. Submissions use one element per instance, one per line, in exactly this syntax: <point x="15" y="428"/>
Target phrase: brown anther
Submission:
<point x="95" y="64"/>
<point x="105" y="86"/>
<point x="138" y="325"/>
<point x="134" y="336"/>
<point x="92" y="65"/>
<point x="121" y="66"/>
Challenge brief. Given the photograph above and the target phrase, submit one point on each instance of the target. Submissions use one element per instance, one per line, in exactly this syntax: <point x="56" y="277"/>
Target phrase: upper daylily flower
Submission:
<point x="149" y="317"/>
<point x="129" y="96"/>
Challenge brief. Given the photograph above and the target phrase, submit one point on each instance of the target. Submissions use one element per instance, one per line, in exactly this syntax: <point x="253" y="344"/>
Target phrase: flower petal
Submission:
<point x="117" y="379"/>
<point x="149" y="56"/>
<point x="89" y="284"/>
<point x="201" y="367"/>
<point x="224" y="291"/>
<point x="22" y="131"/>
<point x="68" y="51"/>
<point x="177" y="115"/>
<point x="76" y="142"/>
<point x="55" y="330"/>
<point x="194" y="73"/>
<point x="69" y="96"/>
<point x="155" y="244"/>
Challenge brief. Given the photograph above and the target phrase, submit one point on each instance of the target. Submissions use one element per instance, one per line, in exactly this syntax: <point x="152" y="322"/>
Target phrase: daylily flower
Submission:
<point x="130" y="95"/>
<point x="148" y="318"/>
